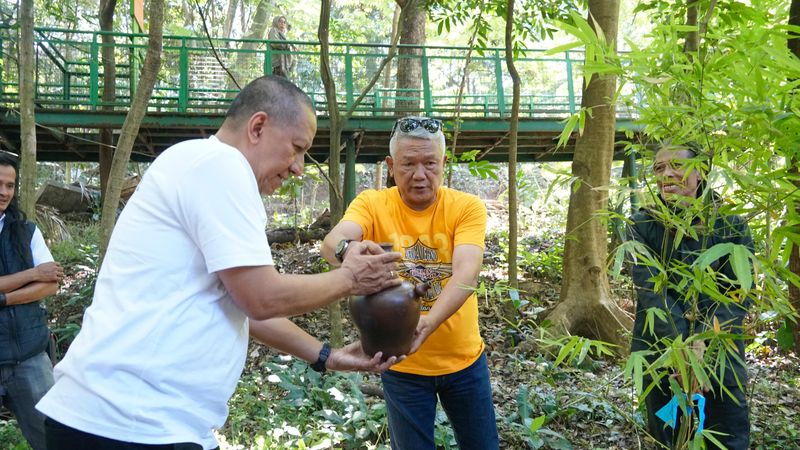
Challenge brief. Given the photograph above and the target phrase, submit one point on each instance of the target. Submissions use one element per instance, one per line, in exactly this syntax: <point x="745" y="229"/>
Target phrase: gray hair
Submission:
<point x="276" y="96"/>
<point x="417" y="133"/>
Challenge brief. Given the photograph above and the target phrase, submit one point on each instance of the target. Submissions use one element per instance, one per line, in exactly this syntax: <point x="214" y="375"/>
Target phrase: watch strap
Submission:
<point x="342" y="249"/>
<point x="324" y="353"/>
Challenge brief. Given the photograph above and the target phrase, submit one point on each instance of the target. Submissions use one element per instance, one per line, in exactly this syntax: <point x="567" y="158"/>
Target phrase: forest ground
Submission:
<point x="280" y="403"/>
<point x="591" y="406"/>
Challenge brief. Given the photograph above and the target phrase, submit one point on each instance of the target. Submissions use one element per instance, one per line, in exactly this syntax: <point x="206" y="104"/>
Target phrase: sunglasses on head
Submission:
<point x="409" y="124"/>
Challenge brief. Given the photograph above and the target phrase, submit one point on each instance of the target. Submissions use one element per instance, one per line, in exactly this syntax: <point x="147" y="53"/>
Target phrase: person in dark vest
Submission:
<point x="27" y="275"/>
<point x="682" y="193"/>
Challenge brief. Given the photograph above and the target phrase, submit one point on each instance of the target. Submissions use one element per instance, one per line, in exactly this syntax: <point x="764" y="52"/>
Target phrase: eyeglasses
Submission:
<point x="409" y="124"/>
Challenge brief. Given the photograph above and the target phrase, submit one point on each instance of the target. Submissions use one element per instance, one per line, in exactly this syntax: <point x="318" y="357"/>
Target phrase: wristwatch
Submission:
<point x="341" y="248"/>
<point x="319" y="366"/>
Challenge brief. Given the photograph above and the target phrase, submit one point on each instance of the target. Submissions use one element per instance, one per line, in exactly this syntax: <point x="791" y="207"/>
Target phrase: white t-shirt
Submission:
<point x="41" y="254"/>
<point x="163" y="345"/>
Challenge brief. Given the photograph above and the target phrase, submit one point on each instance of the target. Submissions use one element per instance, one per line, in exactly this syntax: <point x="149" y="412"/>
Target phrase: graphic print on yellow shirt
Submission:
<point x="421" y="264"/>
<point x="426" y="239"/>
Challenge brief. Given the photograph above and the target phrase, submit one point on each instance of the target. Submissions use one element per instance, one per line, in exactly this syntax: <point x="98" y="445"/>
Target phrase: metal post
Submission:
<point x="426" y="84"/>
<point x="498" y="74"/>
<point x="94" y="84"/>
<point x="183" y="89"/>
<point x="350" y="171"/>
<point x="133" y="68"/>
<point x="268" y="60"/>
<point x="570" y="86"/>
<point x="348" y="77"/>
<point x="65" y="87"/>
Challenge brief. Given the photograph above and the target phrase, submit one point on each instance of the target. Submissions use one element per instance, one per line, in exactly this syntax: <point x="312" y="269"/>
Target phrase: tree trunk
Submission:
<point x="130" y="128"/>
<point x="106" y="149"/>
<point x="27" y="119"/>
<point x="409" y="68"/>
<point x="229" y="16"/>
<point x="336" y="200"/>
<point x="692" y="42"/>
<point x="337" y="123"/>
<point x="187" y="10"/>
<point x="794" y="259"/>
<point x="387" y="76"/>
<point x="586" y="306"/>
<point x="460" y="96"/>
<point x="244" y="60"/>
<point x="512" y="150"/>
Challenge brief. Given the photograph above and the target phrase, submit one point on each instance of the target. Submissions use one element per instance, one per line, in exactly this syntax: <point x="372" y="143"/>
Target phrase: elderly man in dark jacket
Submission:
<point x="680" y="184"/>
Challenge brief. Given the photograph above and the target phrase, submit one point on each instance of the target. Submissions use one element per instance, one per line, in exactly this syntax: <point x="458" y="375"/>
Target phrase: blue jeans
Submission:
<point x="21" y="387"/>
<point x="466" y="397"/>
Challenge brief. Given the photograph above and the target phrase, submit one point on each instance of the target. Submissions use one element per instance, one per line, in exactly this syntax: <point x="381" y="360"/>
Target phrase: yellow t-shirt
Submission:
<point x="427" y="239"/>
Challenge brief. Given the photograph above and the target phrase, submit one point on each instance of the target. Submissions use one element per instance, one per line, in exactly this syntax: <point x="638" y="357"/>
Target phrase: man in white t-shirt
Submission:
<point x="27" y="275"/>
<point x="164" y="341"/>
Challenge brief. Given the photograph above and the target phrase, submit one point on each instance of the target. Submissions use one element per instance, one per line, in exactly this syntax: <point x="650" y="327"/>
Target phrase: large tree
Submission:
<point x="409" y="66"/>
<point x="245" y="66"/>
<point x="106" y="150"/>
<point x="512" y="149"/>
<point x="794" y="259"/>
<point x="130" y="128"/>
<point x="586" y="306"/>
<point x="27" y="120"/>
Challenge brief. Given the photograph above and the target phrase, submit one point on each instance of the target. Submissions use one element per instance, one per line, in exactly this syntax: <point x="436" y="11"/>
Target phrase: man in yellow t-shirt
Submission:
<point x="440" y="233"/>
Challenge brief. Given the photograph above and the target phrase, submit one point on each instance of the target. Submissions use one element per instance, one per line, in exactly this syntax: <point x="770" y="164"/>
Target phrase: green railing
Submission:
<point x="69" y="75"/>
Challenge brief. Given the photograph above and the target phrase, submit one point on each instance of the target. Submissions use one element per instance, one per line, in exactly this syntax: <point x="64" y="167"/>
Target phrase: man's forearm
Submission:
<point x="265" y="294"/>
<point x="14" y="281"/>
<point x="31" y="292"/>
<point x="285" y="336"/>
<point x="450" y="300"/>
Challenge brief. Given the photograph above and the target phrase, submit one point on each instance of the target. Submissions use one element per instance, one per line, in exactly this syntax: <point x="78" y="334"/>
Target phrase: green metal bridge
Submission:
<point x="195" y="86"/>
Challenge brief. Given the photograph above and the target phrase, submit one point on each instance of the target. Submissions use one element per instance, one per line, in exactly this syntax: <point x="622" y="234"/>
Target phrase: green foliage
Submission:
<point x="80" y="257"/>
<point x="289" y="405"/>
<point x="546" y="259"/>
<point x="482" y="169"/>
<point x="736" y="98"/>
<point x="547" y="405"/>
<point x="573" y="350"/>
<point x="11" y="437"/>
<point x="532" y="19"/>
<point x="293" y="192"/>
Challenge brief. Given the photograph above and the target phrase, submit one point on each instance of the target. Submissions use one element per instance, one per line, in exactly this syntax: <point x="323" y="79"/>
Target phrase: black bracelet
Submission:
<point x="2" y="299"/>
<point x="319" y="366"/>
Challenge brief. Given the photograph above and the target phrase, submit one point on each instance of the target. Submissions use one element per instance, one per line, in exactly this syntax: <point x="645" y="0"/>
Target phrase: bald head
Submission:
<point x="278" y="97"/>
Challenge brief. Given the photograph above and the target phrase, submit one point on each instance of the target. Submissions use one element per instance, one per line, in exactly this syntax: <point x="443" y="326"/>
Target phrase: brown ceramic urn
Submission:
<point x="387" y="319"/>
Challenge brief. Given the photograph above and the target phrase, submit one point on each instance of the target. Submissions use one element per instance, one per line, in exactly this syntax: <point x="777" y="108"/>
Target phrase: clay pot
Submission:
<point x="387" y="319"/>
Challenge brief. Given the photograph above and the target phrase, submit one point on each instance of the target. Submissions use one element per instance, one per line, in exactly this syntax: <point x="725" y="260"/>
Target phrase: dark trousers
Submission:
<point x="723" y="415"/>
<point x="21" y="387"/>
<point x="466" y="398"/>
<point x="62" y="437"/>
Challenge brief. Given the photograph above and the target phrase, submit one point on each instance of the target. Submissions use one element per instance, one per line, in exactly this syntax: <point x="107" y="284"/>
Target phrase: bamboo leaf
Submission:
<point x="740" y="261"/>
<point x="565" y="351"/>
<point x="562" y="48"/>
<point x="712" y="254"/>
<point x="537" y="423"/>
